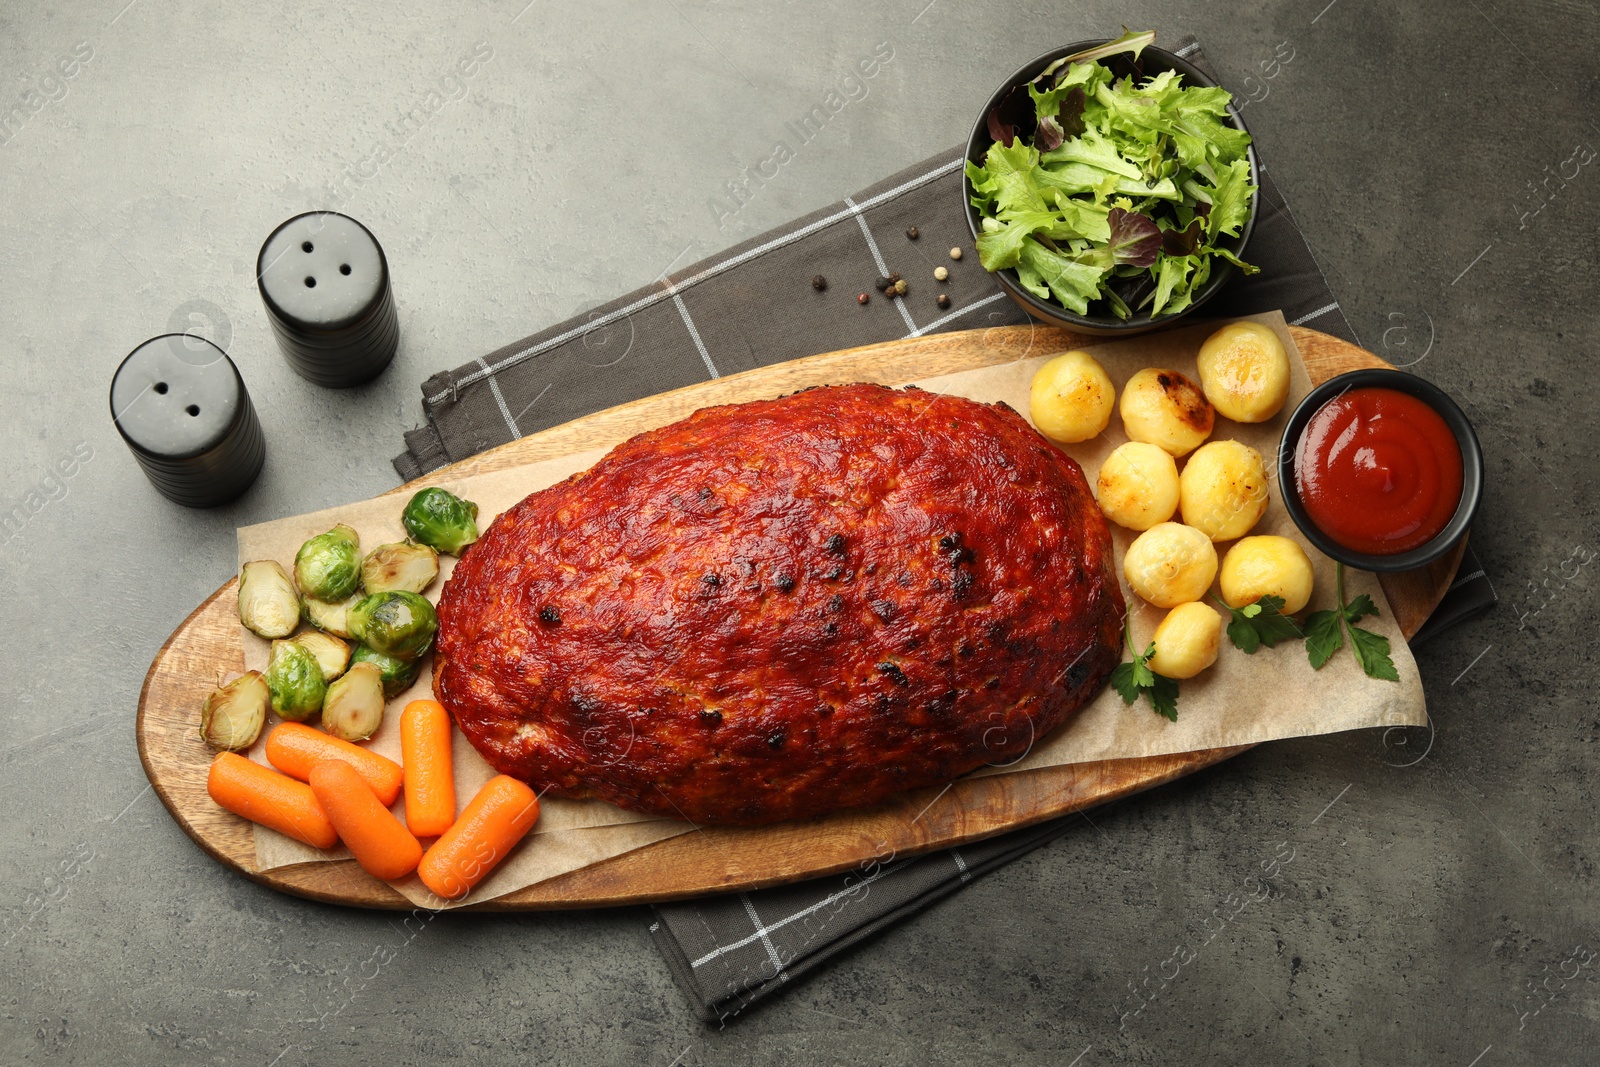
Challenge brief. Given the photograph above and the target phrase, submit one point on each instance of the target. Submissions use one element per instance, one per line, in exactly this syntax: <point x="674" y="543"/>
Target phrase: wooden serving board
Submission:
<point x="714" y="859"/>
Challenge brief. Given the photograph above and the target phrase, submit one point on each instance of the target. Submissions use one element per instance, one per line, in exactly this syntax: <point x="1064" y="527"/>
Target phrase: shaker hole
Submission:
<point x="193" y="409"/>
<point x="344" y="268"/>
<point x="311" y="283"/>
<point x="306" y="246"/>
<point x="161" y="387"/>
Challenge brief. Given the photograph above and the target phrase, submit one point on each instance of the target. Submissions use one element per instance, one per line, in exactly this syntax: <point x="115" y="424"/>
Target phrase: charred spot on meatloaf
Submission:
<point x="776" y="609"/>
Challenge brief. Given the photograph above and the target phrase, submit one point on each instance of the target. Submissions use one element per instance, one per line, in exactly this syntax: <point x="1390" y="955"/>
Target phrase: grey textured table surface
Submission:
<point x="1440" y="901"/>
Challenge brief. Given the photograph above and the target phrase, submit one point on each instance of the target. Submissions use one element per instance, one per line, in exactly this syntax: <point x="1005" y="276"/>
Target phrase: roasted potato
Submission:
<point x="1165" y="409"/>
<point x="1072" y="398"/>
<point x="1244" y="371"/>
<point x="1267" y="565"/>
<point x="1138" y="486"/>
<point x="1187" y="641"/>
<point x="1170" y="564"/>
<point x="1223" y="489"/>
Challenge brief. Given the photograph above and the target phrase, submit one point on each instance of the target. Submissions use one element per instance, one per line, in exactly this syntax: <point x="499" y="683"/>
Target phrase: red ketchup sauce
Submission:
<point x="1378" y="471"/>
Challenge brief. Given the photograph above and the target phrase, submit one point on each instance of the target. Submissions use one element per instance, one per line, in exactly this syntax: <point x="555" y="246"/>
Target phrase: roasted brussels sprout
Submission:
<point x="267" y="603"/>
<point x="403" y="565"/>
<point x="353" y="710"/>
<point x="441" y="519"/>
<point x="328" y="567"/>
<point x="329" y="618"/>
<point x="395" y="623"/>
<point x="294" y="681"/>
<point x="234" y="714"/>
<point x="333" y="655"/>
<point x="397" y="673"/>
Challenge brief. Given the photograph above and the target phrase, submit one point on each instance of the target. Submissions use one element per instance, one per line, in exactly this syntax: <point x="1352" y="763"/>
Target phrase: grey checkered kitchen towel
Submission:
<point x="754" y="306"/>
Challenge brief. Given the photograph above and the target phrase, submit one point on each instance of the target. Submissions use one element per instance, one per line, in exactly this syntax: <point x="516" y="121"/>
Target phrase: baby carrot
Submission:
<point x="430" y="775"/>
<point x="262" y="795"/>
<point x="294" y="748"/>
<point x="490" y="826"/>
<point x="383" y="847"/>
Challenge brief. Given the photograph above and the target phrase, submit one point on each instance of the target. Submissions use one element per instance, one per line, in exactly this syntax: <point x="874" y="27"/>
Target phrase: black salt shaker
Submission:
<point x="183" y="410"/>
<point x="325" y="283"/>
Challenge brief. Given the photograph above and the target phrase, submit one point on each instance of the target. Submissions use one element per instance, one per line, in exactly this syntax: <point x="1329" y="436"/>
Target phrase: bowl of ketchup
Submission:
<point x="1380" y="470"/>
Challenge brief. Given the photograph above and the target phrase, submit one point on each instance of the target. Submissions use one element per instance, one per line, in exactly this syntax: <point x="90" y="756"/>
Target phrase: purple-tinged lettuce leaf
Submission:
<point x="1001" y="132"/>
<point x="1050" y="134"/>
<point x="1135" y="239"/>
<point x="1184" y="242"/>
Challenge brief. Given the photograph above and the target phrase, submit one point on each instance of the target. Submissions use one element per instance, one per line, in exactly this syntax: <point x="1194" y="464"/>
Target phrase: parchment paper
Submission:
<point x="1241" y="700"/>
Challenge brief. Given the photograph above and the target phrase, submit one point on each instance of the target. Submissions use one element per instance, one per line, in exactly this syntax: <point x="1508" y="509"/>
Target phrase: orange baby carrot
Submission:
<point x="383" y="847"/>
<point x="294" y="748"/>
<point x="262" y="795"/>
<point x="490" y="826"/>
<point x="430" y="775"/>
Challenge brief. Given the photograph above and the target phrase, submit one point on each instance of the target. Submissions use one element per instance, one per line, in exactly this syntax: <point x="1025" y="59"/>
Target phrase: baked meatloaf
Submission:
<point x="776" y="609"/>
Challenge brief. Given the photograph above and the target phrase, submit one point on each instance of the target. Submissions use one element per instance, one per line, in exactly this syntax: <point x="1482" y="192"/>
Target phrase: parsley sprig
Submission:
<point x="1325" y="632"/>
<point x="1259" y="623"/>
<point x="1135" y="677"/>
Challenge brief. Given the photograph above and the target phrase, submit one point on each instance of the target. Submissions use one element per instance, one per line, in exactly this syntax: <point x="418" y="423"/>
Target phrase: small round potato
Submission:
<point x="1165" y="409"/>
<point x="1072" y="398"/>
<point x="1138" y="486"/>
<point x="1267" y="565"/>
<point x="1170" y="564"/>
<point x="1187" y="641"/>
<point x="1223" y="489"/>
<point x="1245" y="372"/>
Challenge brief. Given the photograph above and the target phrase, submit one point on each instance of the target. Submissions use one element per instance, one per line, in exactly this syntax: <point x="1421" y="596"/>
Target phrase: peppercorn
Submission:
<point x="819" y="283"/>
<point x="955" y="253"/>
<point x="943" y="300"/>
<point x="862" y="298"/>
<point x="882" y="284"/>
<point x="913" y="233"/>
<point x="940" y="273"/>
<point x="900" y="287"/>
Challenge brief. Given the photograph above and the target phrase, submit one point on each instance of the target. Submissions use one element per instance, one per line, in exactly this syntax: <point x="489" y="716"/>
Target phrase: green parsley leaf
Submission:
<point x="1259" y="623"/>
<point x="1164" y="696"/>
<point x="1135" y="677"/>
<point x="1324" y="637"/>
<point x="1122" y="682"/>
<point x="1360" y="606"/>
<point x="1372" y="652"/>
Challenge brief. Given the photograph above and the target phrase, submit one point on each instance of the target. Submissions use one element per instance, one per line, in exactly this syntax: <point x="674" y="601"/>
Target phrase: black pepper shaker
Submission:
<point x="183" y="410"/>
<point x="324" y="281"/>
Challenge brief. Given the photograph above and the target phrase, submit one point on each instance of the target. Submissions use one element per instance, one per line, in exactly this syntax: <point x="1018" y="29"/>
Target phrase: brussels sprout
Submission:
<point x="396" y="623"/>
<point x="234" y="714"/>
<point x="354" y="708"/>
<point x="294" y="681"/>
<point x="333" y="655"/>
<point x="441" y="519"/>
<point x="328" y="567"/>
<point x="267" y="603"/>
<point x="399" y="566"/>
<point x="398" y="674"/>
<point x="329" y="618"/>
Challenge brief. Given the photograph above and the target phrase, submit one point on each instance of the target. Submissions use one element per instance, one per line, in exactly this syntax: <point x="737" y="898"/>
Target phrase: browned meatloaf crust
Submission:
<point x="776" y="609"/>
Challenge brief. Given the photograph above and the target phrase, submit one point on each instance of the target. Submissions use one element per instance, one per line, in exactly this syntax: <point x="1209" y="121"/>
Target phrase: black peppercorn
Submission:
<point x="819" y="283"/>
<point x="913" y="233"/>
<point x="943" y="300"/>
<point x="882" y="284"/>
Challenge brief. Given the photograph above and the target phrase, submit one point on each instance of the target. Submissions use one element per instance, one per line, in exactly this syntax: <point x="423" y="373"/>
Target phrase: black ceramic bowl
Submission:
<point x="1466" y="440"/>
<point x="1151" y="61"/>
